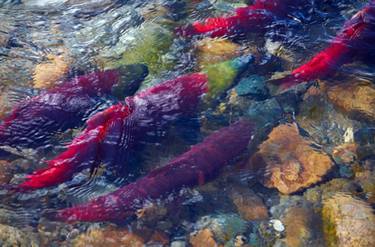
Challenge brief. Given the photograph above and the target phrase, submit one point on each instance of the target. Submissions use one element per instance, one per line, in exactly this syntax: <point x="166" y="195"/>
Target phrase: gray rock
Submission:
<point x="11" y="236"/>
<point x="254" y="86"/>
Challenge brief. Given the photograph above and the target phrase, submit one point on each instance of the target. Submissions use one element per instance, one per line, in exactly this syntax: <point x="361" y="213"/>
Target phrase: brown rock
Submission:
<point x="47" y="74"/>
<point x="211" y="51"/>
<point x="288" y="162"/>
<point x="108" y="237"/>
<point x="356" y="99"/>
<point x="348" y="222"/>
<point x="249" y="205"/>
<point x="345" y="153"/>
<point x="158" y="238"/>
<point x="302" y="227"/>
<point x="6" y="173"/>
<point x="203" y="238"/>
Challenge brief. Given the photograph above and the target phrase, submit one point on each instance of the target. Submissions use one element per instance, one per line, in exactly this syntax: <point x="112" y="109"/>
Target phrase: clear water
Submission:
<point x="74" y="37"/>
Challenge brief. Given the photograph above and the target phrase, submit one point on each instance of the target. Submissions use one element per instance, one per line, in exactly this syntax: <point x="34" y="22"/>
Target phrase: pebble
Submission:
<point x="277" y="225"/>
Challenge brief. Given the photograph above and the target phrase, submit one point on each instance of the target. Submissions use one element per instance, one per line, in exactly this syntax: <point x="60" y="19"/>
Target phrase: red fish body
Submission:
<point x="246" y="19"/>
<point x="34" y="121"/>
<point x="111" y="134"/>
<point x="195" y="167"/>
<point x="356" y="37"/>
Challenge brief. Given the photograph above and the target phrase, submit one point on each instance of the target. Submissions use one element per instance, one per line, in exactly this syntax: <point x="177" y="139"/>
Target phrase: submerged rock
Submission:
<point x="253" y="85"/>
<point x="249" y="205"/>
<point x="345" y="153"/>
<point x="11" y="236"/>
<point x="319" y="118"/>
<point x="211" y="51"/>
<point x="302" y="227"/>
<point x="357" y="99"/>
<point x="6" y="172"/>
<point x="148" y="45"/>
<point x="203" y="238"/>
<point x="288" y="162"/>
<point x="265" y="113"/>
<point x="108" y="237"/>
<point x="47" y="74"/>
<point x="224" y="227"/>
<point x="348" y="222"/>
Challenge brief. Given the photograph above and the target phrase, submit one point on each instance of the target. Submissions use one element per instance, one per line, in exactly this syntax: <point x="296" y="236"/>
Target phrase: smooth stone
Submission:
<point x="277" y="225"/>
<point x="249" y="205"/>
<point x="302" y="227"/>
<point x="178" y="244"/>
<point x="355" y="98"/>
<point x="149" y="45"/>
<point x="109" y="237"/>
<point x="203" y="238"/>
<point x="266" y="112"/>
<point x="211" y="51"/>
<point x="253" y="85"/>
<point x="288" y="162"/>
<point x="48" y="74"/>
<point x="348" y="222"/>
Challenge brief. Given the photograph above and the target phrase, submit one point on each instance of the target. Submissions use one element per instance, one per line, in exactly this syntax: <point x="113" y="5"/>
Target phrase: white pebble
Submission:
<point x="277" y="225"/>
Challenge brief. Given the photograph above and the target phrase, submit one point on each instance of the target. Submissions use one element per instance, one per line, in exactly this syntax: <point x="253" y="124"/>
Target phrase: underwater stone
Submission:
<point x="345" y="153"/>
<point x="11" y="236"/>
<point x="6" y="172"/>
<point x="288" y="162"/>
<point x="348" y="222"/>
<point x="203" y="238"/>
<point x="355" y="98"/>
<point x="253" y="85"/>
<point x="249" y="205"/>
<point x="147" y="45"/>
<point x="302" y="226"/>
<point x="108" y="237"/>
<point x="211" y="51"/>
<point x="223" y="226"/>
<point x="277" y="225"/>
<point x="266" y="112"/>
<point x="48" y="74"/>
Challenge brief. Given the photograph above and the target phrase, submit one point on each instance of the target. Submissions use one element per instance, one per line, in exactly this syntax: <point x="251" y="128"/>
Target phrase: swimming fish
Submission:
<point x="246" y="19"/>
<point x="357" y="36"/>
<point x="200" y="164"/>
<point x="111" y="135"/>
<point x="34" y="121"/>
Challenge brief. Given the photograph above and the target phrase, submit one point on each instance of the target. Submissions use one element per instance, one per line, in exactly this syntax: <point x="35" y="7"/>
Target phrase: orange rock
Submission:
<point x="47" y="74"/>
<point x="288" y="162"/>
<point x="108" y="237"/>
<point x="203" y="238"/>
<point x="211" y="51"/>
<point x="356" y="99"/>
<point x="249" y="205"/>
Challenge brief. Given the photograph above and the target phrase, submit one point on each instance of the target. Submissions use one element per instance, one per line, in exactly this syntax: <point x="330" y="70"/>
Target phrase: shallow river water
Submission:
<point x="97" y="96"/>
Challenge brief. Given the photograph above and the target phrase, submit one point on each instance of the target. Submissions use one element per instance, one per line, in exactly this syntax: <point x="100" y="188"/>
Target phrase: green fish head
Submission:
<point x="131" y="77"/>
<point x="222" y="75"/>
